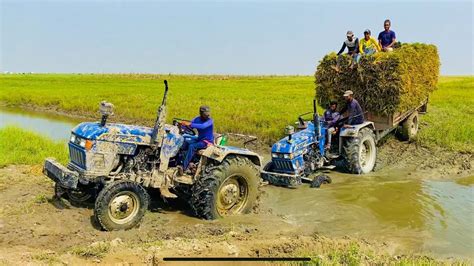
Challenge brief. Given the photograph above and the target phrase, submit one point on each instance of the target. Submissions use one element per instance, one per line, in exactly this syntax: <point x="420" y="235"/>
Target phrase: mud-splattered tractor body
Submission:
<point x="118" y="164"/>
<point x="302" y="153"/>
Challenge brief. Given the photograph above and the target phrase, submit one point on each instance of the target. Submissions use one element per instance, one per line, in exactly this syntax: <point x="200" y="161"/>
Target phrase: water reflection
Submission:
<point x="53" y="126"/>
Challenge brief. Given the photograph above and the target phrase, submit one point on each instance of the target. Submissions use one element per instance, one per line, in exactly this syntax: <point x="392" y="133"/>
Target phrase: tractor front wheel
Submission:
<point x="77" y="197"/>
<point x="228" y="189"/>
<point x="121" y="205"/>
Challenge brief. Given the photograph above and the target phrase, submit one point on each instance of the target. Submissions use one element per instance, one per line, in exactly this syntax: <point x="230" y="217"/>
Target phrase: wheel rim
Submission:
<point x="232" y="195"/>
<point x="366" y="156"/>
<point x="123" y="207"/>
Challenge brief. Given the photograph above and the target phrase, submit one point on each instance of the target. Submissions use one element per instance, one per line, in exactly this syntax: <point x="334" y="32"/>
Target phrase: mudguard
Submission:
<point x="219" y="153"/>
<point x="353" y="130"/>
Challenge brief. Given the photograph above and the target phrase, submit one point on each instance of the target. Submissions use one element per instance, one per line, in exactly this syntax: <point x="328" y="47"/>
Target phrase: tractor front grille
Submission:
<point x="77" y="156"/>
<point x="283" y="164"/>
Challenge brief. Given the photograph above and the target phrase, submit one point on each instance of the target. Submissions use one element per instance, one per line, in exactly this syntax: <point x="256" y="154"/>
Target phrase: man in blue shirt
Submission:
<point x="331" y="117"/>
<point x="205" y="127"/>
<point x="355" y="114"/>
<point x="387" y="37"/>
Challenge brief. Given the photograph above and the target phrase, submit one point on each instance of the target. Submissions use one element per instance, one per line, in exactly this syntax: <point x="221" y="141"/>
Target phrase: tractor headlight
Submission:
<point x="82" y="143"/>
<point x="73" y="138"/>
<point x="274" y="155"/>
<point x="288" y="156"/>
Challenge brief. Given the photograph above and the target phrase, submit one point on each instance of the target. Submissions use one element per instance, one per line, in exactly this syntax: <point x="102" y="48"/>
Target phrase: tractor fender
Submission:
<point x="353" y="130"/>
<point x="219" y="153"/>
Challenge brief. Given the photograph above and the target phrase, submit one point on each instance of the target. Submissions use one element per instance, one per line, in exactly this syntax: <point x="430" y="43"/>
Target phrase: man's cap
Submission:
<point x="347" y="93"/>
<point x="349" y="33"/>
<point x="204" y="109"/>
<point x="367" y="31"/>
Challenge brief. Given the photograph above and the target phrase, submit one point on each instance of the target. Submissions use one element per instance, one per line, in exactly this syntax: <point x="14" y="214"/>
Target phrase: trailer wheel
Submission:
<point x="230" y="188"/>
<point x="361" y="153"/>
<point x="121" y="205"/>
<point x="409" y="127"/>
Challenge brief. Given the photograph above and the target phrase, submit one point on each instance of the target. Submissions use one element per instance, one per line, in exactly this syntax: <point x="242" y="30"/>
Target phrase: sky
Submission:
<point x="223" y="37"/>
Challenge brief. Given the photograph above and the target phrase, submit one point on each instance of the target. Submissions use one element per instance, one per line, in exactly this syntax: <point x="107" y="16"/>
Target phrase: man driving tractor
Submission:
<point x="205" y="127"/>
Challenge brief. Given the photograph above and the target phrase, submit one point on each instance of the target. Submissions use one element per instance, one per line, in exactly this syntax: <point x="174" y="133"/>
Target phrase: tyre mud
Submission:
<point x="237" y="176"/>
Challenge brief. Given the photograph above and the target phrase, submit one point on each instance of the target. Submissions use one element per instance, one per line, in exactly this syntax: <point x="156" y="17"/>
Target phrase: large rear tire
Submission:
<point x="121" y="205"/>
<point x="228" y="189"/>
<point x="409" y="127"/>
<point x="361" y="153"/>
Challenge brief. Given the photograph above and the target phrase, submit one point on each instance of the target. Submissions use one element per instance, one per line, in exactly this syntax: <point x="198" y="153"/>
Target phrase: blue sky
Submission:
<point x="251" y="37"/>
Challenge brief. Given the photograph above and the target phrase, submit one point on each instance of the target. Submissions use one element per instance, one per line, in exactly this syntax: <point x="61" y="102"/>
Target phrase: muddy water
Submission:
<point x="412" y="213"/>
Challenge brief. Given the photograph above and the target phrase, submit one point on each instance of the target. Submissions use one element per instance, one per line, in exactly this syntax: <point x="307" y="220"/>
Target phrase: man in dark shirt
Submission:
<point x="205" y="127"/>
<point x="387" y="37"/>
<point x="352" y="45"/>
<point x="331" y="117"/>
<point x="355" y="114"/>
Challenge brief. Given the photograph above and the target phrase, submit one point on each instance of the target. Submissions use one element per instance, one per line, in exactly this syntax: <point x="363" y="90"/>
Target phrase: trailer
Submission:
<point x="406" y="122"/>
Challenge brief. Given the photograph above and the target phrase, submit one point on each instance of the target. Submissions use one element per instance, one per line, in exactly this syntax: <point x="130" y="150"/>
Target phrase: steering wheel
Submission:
<point x="186" y="130"/>
<point x="183" y="129"/>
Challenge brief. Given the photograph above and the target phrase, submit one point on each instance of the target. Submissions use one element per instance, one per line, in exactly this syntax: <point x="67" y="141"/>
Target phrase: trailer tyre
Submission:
<point x="228" y="189"/>
<point x="121" y="205"/>
<point x="409" y="127"/>
<point x="361" y="153"/>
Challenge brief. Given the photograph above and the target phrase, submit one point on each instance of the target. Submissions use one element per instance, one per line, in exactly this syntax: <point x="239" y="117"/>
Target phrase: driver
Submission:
<point x="205" y="127"/>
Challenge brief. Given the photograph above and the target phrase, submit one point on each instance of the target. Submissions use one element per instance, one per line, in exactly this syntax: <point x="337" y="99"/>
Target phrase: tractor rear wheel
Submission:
<point x="361" y="153"/>
<point x="228" y="189"/>
<point x="121" y="205"/>
<point x="409" y="127"/>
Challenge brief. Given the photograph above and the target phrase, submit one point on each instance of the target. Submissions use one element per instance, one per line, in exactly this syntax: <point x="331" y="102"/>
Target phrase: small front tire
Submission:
<point x="121" y="205"/>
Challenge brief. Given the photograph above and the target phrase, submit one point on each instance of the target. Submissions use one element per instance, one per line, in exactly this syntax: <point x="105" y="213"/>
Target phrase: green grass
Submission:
<point x="449" y="122"/>
<point x="96" y="250"/>
<point x="18" y="146"/>
<point x="257" y="105"/>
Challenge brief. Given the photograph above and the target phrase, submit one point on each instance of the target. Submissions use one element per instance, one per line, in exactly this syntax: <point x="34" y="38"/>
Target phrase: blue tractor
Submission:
<point x="301" y="153"/>
<point x="117" y="165"/>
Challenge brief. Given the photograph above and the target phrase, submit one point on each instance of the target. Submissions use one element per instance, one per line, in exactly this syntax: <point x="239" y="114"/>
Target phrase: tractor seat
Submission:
<point x="217" y="140"/>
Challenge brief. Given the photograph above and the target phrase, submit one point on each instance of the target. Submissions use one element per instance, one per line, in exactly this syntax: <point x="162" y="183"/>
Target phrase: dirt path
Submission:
<point x="35" y="228"/>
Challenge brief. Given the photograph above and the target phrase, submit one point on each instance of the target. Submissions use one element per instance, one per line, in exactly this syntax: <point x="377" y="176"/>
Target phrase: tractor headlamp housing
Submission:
<point x="85" y="143"/>
<point x="73" y="138"/>
<point x="283" y="155"/>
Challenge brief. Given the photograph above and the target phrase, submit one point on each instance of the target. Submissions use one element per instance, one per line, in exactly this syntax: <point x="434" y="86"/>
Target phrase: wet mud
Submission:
<point x="417" y="201"/>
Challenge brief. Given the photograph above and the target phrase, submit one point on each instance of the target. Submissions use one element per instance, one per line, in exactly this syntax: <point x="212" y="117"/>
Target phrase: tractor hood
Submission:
<point x="298" y="140"/>
<point x="114" y="132"/>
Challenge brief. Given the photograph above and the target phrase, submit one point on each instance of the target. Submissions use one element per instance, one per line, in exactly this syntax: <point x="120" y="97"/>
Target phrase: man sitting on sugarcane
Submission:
<point x="355" y="115"/>
<point x="368" y="45"/>
<point x="205" y="127"/>
<point x="387" y="38"/>
<point x="352" y="45"/>
<point x="331" y="116"/>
